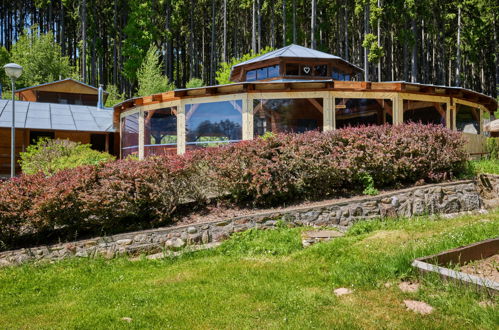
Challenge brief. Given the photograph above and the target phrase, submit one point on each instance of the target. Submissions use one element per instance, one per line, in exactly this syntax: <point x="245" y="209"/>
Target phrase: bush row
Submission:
<point x="266" y="171"/>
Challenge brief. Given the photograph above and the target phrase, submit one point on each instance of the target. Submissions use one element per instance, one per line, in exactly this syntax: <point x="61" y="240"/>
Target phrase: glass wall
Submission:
<point x="130" y="135"/>
<point x="287" y="115"/>
<point x="467" y="119"/>
<point x="160" y="131"/>
<point x="210" y="124"/>
<point x="425" y="112"/>
<point x="356" y="112"/>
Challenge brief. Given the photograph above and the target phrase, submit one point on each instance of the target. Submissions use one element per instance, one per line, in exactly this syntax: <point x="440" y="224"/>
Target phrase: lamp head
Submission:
<point x="13" y="70"/>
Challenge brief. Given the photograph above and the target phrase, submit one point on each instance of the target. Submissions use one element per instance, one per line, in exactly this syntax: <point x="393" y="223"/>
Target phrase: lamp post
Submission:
<point x="13" y="71"/>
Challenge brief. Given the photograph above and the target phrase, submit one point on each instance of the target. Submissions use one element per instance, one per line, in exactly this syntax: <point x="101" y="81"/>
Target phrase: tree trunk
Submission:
<point x="366" y="31"/>
<point x="346" y="30"/>
<point x="224" y="46"/>
<point x="294" y="21"/>
<point x="414" y="57"/>
<point x="458" y="50"/>
<point x="212" y="51"/>
<point x="259" y="24"/>
<point x="379" y="43"/>
<point x="283" y="23"/>
<point x="83" y="60"/>
<point x="253" y="28"/>
<point x="313" y="25"/>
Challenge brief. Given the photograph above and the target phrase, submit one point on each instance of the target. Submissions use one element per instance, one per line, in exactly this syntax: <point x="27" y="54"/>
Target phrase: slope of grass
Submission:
<point x="259" y="279"/>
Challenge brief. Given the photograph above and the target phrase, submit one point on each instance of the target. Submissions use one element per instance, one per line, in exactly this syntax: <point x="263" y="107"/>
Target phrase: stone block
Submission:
<point x="175" y="243"/>
<point x="126" y="241"/>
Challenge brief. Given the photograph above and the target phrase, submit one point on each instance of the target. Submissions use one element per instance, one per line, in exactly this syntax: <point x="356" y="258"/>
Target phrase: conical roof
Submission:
<point x="294" y="51"/>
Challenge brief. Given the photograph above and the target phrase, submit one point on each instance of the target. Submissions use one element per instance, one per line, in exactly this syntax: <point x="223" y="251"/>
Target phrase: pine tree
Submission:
<point x="150" y="75"/>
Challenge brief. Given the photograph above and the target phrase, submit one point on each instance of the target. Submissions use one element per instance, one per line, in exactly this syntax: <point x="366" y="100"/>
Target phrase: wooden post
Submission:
<point x="141" y="134"/>
<point x="333" y="113"/>
<point x="398" y="110"/>
<point x="106" y="148"/>
<point x="448" y="116"/>
<point x="328" y="113"/>
<point x="247" y="114"/>
<point x="181" y="128"/>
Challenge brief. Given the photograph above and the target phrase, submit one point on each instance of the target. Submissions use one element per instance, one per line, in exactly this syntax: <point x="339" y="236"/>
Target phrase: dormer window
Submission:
<point x="263" y="73"/>
<point x="294" y="63"/>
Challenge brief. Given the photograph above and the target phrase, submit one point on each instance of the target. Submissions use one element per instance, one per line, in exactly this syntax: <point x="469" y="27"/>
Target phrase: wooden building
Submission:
<point x="282" y="100"/>
<point x="78" y="123"/>
<point x="67" y="91"/>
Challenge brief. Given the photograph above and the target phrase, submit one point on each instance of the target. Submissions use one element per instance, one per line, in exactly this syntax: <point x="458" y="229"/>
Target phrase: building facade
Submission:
<point x="299" y="90"/>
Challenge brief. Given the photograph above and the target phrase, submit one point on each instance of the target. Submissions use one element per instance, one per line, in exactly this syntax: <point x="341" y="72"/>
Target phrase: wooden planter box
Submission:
<point x="437" y="263"/>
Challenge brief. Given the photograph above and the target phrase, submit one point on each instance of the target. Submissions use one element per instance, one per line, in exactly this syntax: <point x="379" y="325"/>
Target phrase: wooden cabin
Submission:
<point x="67" y="91"/>
<point x="282" y="101"/>
<point x="65" y="109"/>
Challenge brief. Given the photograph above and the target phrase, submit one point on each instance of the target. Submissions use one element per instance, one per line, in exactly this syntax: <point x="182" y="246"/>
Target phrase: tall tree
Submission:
<point x="313" y="24"/>
<point x="150" y="74"/>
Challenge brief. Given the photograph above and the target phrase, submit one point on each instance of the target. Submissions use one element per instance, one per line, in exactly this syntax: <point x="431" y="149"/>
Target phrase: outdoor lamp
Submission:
<point x="13" y="71"/>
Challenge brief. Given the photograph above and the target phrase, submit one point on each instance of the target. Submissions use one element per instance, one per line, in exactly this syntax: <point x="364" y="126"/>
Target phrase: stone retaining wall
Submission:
<point x="429" y="199"/>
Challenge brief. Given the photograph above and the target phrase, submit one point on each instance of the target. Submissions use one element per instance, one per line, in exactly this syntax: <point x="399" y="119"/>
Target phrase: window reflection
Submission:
<point x="261" y="74"/>
<point x="287" y="115"/>
<point x="320" y="70"/>
<point x="273" y="71"/>
<point x="339" y="75"/>
<point x="467" y="119"/>
<point x="251" y="75"/>
<point x="424" y="112"/>
<point x="356" y="112"/>
<point x="160" y="131"/>
<point x="130" y="135"/>
<point x="210" y="124"/>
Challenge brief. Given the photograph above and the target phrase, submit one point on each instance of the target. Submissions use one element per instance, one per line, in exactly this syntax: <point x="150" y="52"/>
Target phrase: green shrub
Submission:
<point x="50" y="156"/>
<point x="493" y="147"/>
<point x="194" y="82"/>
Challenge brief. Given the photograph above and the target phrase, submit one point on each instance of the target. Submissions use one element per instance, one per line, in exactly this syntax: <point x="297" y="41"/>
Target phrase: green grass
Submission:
<point x="259" y="279"/>
<point x="490" y="166"/>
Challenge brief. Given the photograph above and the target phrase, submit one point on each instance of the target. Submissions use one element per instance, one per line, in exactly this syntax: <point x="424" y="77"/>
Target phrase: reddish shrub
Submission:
<point x="297" y="166"/>
<point x="275" y="170"/>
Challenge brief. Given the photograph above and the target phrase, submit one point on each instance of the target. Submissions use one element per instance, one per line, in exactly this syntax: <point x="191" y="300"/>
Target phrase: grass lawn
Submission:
<point x="486" y="166"/>
<point x="259" y="279"/>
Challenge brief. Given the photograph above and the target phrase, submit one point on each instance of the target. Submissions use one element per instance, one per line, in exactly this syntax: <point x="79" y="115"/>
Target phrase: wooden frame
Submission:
<point x="327" y="90"/>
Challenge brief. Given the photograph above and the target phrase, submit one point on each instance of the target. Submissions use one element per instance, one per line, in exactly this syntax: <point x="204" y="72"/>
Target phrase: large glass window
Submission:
<point x="261" y="74"/>
<point x="160" y="131"/>
<point x="251" y="75"/>
<point x="287" y="115"/>
<point x="424" y="112"/>
<point x="130" y="135"/>
<point x="273" y="71"/>
<point x="467" y="119"/>
<point x="356" y="112"/>
<point x="210" y="124"/>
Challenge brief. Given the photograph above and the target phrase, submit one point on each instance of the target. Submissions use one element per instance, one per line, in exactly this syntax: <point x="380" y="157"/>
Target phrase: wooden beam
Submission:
<point x="316" y="105"/>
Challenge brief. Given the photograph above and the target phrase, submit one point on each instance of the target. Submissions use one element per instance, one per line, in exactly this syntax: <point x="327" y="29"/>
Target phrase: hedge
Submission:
<point x="272" y="171"/>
